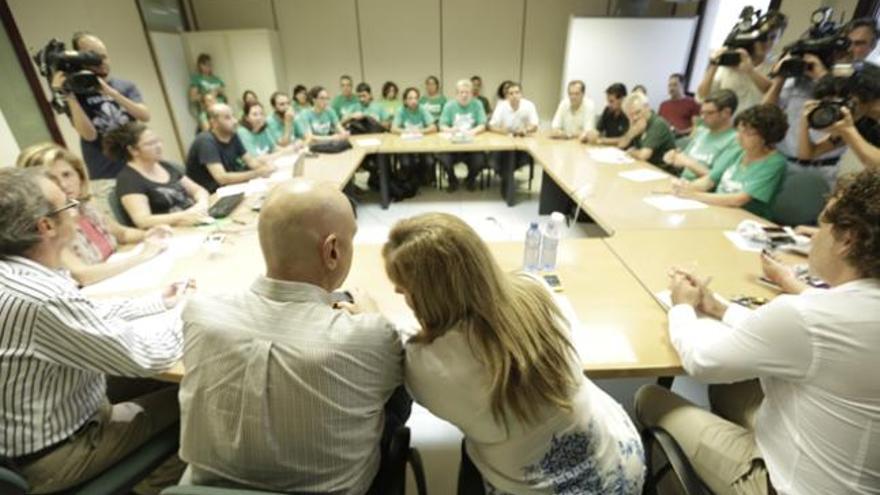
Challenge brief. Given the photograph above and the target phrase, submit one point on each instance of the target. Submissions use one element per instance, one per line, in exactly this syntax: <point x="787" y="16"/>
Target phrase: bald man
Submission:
<point x="217" y="157"/>
<point x="95" y="114"/>
<point x="284" y="391"/>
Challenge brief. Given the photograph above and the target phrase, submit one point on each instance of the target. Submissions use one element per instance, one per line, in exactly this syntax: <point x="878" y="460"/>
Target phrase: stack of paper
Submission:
<point x="613" y="156"/>
<point x="367" y="142"/>
<point x="643" y="175"/>
<point x="668" y="202"/>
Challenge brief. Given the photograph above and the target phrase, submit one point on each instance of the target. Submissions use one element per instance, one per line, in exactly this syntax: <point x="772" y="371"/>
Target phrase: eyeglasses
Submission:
<point x="70" y="204"/>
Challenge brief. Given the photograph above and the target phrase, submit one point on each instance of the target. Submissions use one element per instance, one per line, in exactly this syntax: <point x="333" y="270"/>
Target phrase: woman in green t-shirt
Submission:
<point x="204" y="81"/>
<point x="748" y="175"/>
<point x="320" y="123"/>
<point x="254" y="133"/>
<point x="414" y="120"/>
<point x="301" y="100"/>
<point x="433" y="101"/>
<point x="390" y="101"/>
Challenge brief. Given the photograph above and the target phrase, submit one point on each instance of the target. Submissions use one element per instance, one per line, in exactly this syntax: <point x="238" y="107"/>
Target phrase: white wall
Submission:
<point x="118" y="24"/>
<point x="8" y="146"/>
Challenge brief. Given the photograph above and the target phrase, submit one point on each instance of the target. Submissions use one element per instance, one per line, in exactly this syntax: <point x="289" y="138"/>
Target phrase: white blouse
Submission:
<point x="594" y="448"/>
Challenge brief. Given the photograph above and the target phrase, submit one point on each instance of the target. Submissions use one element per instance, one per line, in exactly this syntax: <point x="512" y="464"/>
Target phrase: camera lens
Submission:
<point x="826" y="114"/>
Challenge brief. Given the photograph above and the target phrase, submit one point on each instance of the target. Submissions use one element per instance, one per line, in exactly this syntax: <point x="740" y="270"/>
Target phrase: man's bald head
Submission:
<point x="222" y="119"/>
<point x="87" y="42"/>
<point x="306" y="230"/>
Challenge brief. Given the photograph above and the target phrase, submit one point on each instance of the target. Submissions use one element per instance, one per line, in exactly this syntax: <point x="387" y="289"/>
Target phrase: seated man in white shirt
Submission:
<point x="514" y="116"/>
<point x="57" y="427"/>
<point x="284" y="390"/>
<point x="810" y="424"/>
<point x="575" y="115"/>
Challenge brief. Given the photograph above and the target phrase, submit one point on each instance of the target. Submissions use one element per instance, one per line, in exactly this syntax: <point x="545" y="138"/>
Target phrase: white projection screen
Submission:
<point x="602" y="50"/>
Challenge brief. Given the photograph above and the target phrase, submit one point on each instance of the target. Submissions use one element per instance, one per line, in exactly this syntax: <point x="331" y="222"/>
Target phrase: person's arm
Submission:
<point x="225" y="178"/>
<point x="100" y="336"/>
<point x="556" y="129"/>
<point x="284" y="139"/>
<point x="123" y="234"/>
<point x="680" y="159"/>
<point x="194" y="95"/>
<point x="636" y="129"/>
<point x="866" y="152"/>
<point x="807" y="149"/>
<point x="705" y="86"/>
<point x="771" y="341"/>
<point x="730" y="200"/>
<point x="77" y="115"/>
<point x="138" y="208"/>
<point x="137" y="110"/>
<point x="772" y="95"/>
<point x="781" y="275"/>
<point x="703" y="184"/>
<point x="87" y="274"/>
<point x="761" y="81"/>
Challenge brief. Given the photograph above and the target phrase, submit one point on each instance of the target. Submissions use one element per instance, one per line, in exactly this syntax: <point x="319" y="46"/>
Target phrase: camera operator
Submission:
<point x="794" y="79"/>
<point x="852" y="105"/>
<point x="116" y="102"/>
<point x="862" y="34"/>
<point x="752" y="41"/>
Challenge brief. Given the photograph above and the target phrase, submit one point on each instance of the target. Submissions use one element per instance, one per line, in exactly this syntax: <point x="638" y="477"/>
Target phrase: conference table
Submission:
<point x="609" y="285"/>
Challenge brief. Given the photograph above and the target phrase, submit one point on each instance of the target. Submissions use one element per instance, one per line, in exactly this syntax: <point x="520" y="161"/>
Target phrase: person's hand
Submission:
<point x="745" y="61"/>
<point x="288" y="116"/>
<point x="159" y="232"/>
<point x="58" y="80"/>
<point x="193" y="215"/>
<point x="776" y="271"/>
<point x="805" y="230"/>
<point x="809" y="106"/>
<point x="669" y="156"/>
<point x="638" y="125"/>
<point x="683" y="290"/>
<point x="713" y="58"/>
<point x="591" y="136"/>
<point x="775" y="70"/>
<point x="152" y="248"/>
<point x="363" y="303"/>
<point x="847" y="123"/>
<point x="266" y="170"/>
<point x="815" y="67"/>
<point x="174" y="293"/>
<point x="106" y="88"/>
<point x="681" y="187"/>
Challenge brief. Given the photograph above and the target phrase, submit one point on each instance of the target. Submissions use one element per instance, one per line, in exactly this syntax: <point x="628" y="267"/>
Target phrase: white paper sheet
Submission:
<point x="367" y="142"/>
<point x="643" y="175"/>
<point x="149" y="274"/>
<point x="742" y="243"/>
<point x="668" y="202"/>
<point x="609" y="155"/>
<point x="595" y="345"/>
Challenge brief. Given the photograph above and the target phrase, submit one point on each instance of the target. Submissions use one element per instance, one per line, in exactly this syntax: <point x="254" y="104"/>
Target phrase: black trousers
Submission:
<point x="475" y="161"/>
<point x="397" y="411"/>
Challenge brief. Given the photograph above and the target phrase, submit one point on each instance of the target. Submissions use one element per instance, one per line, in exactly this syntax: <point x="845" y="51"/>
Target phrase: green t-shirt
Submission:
<point x="467" y="117"/>
<point x="705" y="146"/>
<point x="391" y="106"/>
<point x="658" y="137"/>
<point x="761" y="180"/>
<point x="276" y="125"/>
<point x="375" y="110"/>
<point x="344" y="106"/>
<point x="298" y="108"/>
<point x="319" y="124"/>
<point x="206" y="84"/>
<point x="257" y="143"/>
<point x="420" y="118"/>
<point x="433" y="104"/>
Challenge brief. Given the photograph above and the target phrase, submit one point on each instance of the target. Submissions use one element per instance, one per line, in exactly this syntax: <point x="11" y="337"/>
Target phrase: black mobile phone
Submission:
<point x="553" y="281"/>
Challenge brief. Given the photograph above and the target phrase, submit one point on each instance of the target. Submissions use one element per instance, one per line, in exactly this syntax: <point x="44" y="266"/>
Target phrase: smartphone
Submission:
<point x="553" y="281"/>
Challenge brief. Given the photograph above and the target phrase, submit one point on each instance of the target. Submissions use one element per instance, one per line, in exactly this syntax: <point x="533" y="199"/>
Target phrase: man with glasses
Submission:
<point x="57" y="427"/>
<point x="94" y="115"/>
<point x="712" y="137"/>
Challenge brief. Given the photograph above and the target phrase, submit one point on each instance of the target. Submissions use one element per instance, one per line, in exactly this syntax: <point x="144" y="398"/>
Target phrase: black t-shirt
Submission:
<point x="612" y="124"/>
<point x="870" y="130"/>
<point x="105" y="114"/>
<point x="205" y="149"/>
<point x="164" y="198"/>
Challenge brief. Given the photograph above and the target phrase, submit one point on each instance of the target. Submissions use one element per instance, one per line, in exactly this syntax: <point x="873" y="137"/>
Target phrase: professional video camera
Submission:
<point x="54" y="58"/>
<point x="751" y="28"/>
<point x="825" y="39"/>
<point x="839" y="90"/>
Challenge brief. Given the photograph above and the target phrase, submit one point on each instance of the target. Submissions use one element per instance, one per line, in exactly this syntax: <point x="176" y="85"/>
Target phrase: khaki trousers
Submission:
<point x="720" y="445"/>
<point x="111" y="434"/>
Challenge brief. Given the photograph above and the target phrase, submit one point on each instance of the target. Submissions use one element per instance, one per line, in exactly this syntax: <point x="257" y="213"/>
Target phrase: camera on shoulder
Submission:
<point x="825" y="39"/>
<point x="73" y="64"/>
<point x="751" y="28"/>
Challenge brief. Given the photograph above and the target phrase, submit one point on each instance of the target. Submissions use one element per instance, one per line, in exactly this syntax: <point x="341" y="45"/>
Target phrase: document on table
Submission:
<point x="149" y="274"/>
<point x="643" y="175"/>
<point x="367" y="142"/>
<point x="744" y="244"/>
<point x="668" y="202"/>
<point x="595" y="345"/>
<point x="613" y="156"/>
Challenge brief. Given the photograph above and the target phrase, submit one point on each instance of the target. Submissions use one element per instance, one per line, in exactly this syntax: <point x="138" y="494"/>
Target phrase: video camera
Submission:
<point x="54" y="58"/>
<point x="825" y="39"/>
<point x="751" y="28"/>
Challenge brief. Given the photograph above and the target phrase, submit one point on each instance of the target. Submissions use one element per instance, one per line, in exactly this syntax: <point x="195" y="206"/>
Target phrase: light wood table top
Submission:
<point x="615" y="203"/>
<point x="440" y="142"/>
<point x="620" y="329"/>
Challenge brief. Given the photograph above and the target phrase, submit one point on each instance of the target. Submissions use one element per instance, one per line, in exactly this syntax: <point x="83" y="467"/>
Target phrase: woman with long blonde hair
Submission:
<point x="494" y="358"/>
<point x="97" y="235"/>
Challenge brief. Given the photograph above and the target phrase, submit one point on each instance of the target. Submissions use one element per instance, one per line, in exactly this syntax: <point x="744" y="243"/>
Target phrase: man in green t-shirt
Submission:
<point x="346" y="101"/>
<point x="648" y="137"/>
<point x="464" y="116"/>
<point x="204" y="81"/>
<point x="281" y="121"/>
<point x="712" y="137"/>
<point x="368" y="109"/>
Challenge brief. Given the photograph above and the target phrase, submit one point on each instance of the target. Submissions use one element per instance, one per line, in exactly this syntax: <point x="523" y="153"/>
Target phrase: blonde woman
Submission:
<point x="494" y="358"/>
<point x="97" y="236"/>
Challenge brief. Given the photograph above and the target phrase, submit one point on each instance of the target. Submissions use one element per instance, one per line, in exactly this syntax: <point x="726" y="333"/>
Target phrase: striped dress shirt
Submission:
<point x="56" y="346"/>
<point x="283" y="392"/>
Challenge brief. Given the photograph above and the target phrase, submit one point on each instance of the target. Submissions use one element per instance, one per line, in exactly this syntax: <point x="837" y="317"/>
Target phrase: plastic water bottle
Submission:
<point x="532" y="257"/>
<point x="550" y="241"/>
